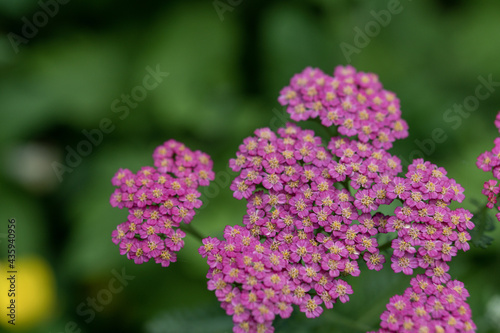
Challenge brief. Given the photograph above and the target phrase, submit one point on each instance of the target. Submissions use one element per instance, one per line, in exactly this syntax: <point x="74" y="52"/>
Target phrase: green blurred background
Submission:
<point x="226" y="67"/>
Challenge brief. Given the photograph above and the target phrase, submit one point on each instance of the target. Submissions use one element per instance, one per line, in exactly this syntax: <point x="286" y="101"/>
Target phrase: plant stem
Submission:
<point x="480" y="226"/>
<point x="331" y="131"/>
<point x="348" y="187"/>
<point x="386" y="245"/>
<point x="187" y="228"/>
<point x="347" y="322"/>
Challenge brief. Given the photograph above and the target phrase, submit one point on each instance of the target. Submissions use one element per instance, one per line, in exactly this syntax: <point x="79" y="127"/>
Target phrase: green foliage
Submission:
<point x="191" y="320"/>
<point x="484" y="223"/>
<point x="224" y="79"/>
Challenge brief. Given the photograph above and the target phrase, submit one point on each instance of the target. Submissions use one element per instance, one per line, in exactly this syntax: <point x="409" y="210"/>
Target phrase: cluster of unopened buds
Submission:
<point x="490" y="161"/>
<point x="159" y="199"/>
<point x="313" y="212"/>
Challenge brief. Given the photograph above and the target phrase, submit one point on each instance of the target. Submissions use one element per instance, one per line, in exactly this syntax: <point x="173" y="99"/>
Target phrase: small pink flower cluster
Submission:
<point x="159" y="200"/>
<point x="252" y="280"/>
<point x="354" y="101"/>
<point x="256" y="281"/>
<point x="429" y="232"/>
<point x="490" y="161"/>
<point x="429" y="307"/>
<point x="300" y="229"/>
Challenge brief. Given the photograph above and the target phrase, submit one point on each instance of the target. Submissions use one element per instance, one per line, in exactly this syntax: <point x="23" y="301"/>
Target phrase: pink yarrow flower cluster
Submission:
<point x="312" y="209"/>
<point x="256" y="281"/>
<point x="158" y="201"/>
<point x="429" y="232"/>
<point x="354" y="101"/>
<point x="490" y="161"/>
<point x="429" y="307"/>
<point x="303" y="229"/>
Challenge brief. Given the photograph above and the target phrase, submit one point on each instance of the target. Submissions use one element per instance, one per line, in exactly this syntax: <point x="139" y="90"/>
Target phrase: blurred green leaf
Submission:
<point x="199" y="53"/>
<point x="193" y="320"/>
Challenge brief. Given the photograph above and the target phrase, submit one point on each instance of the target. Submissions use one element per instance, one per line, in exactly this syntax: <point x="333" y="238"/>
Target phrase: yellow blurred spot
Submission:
<point x="34" y="292"/>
